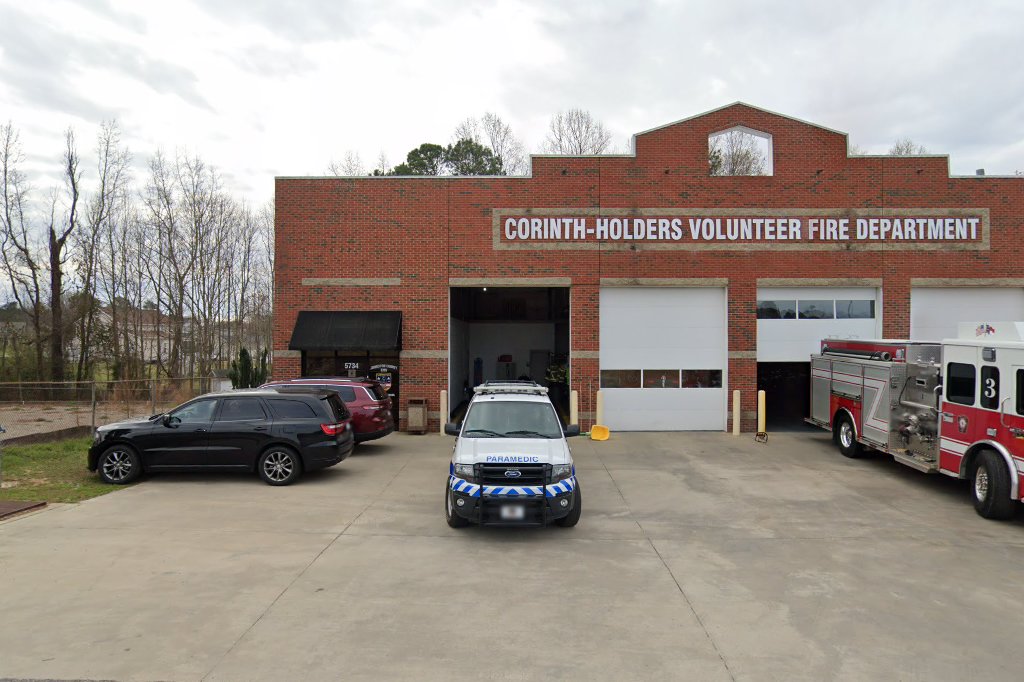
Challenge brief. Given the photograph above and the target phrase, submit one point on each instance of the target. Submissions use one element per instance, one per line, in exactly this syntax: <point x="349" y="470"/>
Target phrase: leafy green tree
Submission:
<point x="427" y="159"/>
<point x="464" y="157"/>
<point x="467" y="157"/>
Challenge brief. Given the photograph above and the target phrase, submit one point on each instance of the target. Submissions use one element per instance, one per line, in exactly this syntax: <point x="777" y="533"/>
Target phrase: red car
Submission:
<point x="367" y="400"/>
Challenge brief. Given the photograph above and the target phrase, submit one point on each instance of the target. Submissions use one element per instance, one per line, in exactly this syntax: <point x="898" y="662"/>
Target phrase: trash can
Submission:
<point x="417" y="415"/>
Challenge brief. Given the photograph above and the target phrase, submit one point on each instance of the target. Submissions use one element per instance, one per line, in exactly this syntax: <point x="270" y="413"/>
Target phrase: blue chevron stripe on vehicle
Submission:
<point x="465" y="487"/>
<point x="560" y="488"/>
<point x="513" y="491"/>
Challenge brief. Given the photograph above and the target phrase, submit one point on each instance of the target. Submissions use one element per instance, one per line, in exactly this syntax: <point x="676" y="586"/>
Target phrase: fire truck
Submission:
<point x="954" y="407"/>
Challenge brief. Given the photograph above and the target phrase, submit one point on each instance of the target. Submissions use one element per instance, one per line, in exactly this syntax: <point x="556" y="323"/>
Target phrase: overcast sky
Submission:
<point x="263" y="87"/>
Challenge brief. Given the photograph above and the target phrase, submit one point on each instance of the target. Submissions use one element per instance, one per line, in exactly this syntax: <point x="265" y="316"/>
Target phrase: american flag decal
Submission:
<point x="984" y="329"/>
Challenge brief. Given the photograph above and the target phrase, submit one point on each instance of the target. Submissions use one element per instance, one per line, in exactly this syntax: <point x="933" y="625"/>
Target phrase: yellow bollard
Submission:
<point x="735" y="413"/>
<point x="760" y="412"/>
<point x="599" y="408"/>
<point x="444" y="410"/>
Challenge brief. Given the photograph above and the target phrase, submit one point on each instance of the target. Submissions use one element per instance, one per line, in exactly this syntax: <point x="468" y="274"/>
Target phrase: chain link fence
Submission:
<point x="48" y="410"/>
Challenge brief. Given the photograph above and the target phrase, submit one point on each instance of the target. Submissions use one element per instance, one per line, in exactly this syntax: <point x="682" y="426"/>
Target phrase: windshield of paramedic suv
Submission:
<point x="511" y="419"/>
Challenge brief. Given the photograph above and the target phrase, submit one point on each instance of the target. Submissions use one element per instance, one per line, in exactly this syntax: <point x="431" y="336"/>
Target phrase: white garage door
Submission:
<point x="791" y="322"/>
<point x="663" y="358"/>
<point x="935" y="313"/>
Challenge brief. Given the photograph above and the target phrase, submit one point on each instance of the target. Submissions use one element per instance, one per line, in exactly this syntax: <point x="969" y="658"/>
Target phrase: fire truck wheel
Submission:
<point x="846" y="438"/>
<point x="453" y="519"/>
<point x="992" y="487"/>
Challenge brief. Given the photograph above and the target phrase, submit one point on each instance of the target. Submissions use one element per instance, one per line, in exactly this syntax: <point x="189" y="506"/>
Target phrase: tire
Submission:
<point x="119" y="465"/>
<point x="573" y="517"/>
<point x="846" y="438"/>
<point x="279" y="466"/>
<point x="453" y="519"/>
<point x="990" y="487"/>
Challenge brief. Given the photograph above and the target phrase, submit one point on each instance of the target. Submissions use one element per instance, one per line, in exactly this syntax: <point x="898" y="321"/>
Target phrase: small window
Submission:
<point x="960" y="383"/>
<point x="620" y="378"/>
<point x="990" y="387"/>
<point x="378" y="392"/>
<point x="847" y="309"/>
<point x="241" y="409"/>
<point x="816" y="310"/>
<point x="661" y="378"/>
<point x="319" y="363"/>
<point x="702" y="378"/>
<point x="196" y="412"/>
<point x="1020" y="391"/>
<point x="290" y="409"/>
<point x="776" y="310"/>
<point x="740" y="151"/>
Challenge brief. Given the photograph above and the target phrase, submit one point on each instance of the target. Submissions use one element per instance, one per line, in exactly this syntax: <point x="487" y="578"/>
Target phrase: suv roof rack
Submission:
<point x="511" y="386"/>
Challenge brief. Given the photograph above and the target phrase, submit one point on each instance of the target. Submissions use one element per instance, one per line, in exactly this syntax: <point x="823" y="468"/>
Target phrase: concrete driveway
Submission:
<point x="699" y="556"/>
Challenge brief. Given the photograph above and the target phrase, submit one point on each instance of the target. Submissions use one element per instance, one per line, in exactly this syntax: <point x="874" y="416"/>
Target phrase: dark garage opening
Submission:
<point x="508" y="333"/>
<point x="787" y="387"/>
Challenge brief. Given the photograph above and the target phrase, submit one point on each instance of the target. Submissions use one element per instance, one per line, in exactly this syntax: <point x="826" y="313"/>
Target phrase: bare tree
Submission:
<point x="736" y="153"/>
<point x="382" y="166"/>
<point x="504" y="144"/>
<point x="904" y="146"/>
<point x="112" y="167"/>
<point x="350" y="166"/>
<point x="22" y="255"/>
<point x="59" y="230"/>
<point x="578" y="133"/>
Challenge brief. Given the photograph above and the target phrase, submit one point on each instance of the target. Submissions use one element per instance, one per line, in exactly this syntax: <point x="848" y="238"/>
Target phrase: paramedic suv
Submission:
<point x="511" y="464"/>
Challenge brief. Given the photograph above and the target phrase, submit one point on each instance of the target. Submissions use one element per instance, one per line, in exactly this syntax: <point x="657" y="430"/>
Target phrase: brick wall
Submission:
<point x="424" y="231"/>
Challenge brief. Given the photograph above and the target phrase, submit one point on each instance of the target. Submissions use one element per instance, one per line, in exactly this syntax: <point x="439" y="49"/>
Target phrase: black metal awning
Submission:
<point x="347" y="330"/>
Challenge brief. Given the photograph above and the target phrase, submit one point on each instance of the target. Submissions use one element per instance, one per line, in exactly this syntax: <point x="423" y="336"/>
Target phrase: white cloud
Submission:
<point x="262" y="88"/>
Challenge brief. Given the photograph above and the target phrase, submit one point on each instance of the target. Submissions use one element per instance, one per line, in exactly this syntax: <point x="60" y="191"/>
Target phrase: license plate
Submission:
<point x="513" y="512"/>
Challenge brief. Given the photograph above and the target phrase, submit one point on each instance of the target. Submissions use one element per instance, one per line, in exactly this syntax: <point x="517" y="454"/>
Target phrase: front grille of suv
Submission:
<point x="496" y="474"/>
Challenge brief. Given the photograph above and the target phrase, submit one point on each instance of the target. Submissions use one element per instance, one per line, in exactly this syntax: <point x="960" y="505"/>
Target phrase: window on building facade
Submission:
<point x="620" y="378"/>
<point x="740" y="151"/>
<point x="844" y="309"/>
<point x="816" y="310"/>
<point x="661" y="378"/>
<point x="776" y="310"/>
<point x="847" y="309"/>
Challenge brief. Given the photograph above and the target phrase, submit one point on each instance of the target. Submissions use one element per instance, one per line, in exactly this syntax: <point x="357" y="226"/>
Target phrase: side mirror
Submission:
<point x="572" y="430"/>
<point x="451" y="429"/>
<point x="168" y="420"/>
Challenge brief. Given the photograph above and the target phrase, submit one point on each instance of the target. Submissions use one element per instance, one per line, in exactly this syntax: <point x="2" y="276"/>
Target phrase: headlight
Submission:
<point x="96" y="436"/>
<point x="465" y="472"/>
<point x="560" y="472"/>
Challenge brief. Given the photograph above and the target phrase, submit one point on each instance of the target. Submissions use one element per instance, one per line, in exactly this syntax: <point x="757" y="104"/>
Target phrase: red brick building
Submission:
<point x="643" y="274"/>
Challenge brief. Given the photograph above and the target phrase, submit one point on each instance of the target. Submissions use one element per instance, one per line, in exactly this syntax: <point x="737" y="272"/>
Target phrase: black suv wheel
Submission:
<point x="279" y="466"/>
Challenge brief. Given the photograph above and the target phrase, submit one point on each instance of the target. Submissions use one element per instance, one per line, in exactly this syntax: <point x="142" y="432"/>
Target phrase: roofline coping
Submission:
<point x="741" y="103"/>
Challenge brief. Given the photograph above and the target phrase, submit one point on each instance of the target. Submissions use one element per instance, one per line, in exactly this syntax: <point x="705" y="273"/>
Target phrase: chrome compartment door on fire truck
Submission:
<point x="876" y="408"/>
<point x="821" y="390"/>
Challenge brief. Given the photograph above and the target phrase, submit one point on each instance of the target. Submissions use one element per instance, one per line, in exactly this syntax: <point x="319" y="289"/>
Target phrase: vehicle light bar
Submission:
<point x="522" y="388"/>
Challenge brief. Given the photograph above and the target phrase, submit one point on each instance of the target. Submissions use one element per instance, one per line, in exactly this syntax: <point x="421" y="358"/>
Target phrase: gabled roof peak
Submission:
<point x="735" y="105"/>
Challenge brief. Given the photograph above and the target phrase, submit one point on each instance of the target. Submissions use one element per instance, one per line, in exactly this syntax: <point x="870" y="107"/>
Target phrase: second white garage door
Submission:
<point x="663" y="358"/>
<point x="936" y="312"/>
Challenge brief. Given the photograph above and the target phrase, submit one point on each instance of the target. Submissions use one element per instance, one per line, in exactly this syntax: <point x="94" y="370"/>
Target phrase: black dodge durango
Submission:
<point x="279" y="433"/>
